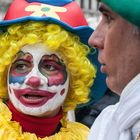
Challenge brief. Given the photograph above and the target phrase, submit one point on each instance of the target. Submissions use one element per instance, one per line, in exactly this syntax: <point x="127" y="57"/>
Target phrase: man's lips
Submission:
<point x="103" y="68"/>
<point x="33" y="97"/>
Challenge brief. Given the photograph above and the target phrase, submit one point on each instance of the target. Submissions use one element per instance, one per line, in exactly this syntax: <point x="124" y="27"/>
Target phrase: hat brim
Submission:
<point x="83" y="32"/>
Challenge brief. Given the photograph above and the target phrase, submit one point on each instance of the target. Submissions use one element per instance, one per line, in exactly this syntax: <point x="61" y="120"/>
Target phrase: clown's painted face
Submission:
<point x="38" y="80"/>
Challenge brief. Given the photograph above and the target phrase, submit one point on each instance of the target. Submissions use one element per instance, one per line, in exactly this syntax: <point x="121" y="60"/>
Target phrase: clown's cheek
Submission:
<point x="56" y="80"/>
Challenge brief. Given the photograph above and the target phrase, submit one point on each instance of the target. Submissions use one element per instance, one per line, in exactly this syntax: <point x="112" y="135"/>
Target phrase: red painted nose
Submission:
<point x="33" y="81"/>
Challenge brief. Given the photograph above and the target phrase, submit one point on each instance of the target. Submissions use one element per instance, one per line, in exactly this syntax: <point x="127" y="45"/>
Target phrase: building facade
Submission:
<point x="88" y="6"/>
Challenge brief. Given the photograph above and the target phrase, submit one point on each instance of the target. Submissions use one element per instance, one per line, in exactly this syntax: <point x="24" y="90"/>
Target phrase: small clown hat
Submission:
<point x="65" y="13"/>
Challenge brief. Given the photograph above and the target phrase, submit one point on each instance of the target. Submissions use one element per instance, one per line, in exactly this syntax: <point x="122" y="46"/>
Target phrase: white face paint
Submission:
<point x="38" y="80"/>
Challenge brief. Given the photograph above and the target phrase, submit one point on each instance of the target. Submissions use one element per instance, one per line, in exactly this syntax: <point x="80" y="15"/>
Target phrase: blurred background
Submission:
<point x="3" y="7"/>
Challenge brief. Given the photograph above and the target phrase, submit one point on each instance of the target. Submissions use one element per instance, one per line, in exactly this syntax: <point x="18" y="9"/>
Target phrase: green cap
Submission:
<point x="128" y="9"/>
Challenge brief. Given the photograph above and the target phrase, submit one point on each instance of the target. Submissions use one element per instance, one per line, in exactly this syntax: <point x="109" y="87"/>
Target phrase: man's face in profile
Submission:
<point x="114" y="38"/>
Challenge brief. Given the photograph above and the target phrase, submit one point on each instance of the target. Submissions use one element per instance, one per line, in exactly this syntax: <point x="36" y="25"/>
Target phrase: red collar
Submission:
<point x="40" y="126"/>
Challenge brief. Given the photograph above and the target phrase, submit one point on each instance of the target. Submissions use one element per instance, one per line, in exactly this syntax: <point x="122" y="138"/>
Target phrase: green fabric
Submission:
<point x="128" y="9"/>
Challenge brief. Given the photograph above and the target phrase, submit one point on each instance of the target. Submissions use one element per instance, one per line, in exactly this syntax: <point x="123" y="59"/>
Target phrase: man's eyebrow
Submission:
<point x="103" y="8"/>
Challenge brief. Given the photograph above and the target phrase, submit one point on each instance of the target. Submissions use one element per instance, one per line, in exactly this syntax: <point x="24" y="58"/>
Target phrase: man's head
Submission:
<point x="118" y="42"/>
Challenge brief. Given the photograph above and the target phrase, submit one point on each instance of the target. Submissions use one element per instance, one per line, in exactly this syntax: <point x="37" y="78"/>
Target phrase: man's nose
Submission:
<point x="97" y="39"/>
<point x="34" y="81"/>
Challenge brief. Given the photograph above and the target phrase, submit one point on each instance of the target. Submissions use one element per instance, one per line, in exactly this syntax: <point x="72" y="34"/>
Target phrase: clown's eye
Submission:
<point x="21" y="67"/>
<point x="49" y="67"/>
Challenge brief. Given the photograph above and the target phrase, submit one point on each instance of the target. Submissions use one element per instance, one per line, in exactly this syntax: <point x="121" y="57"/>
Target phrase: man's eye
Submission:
<point x="108" y="18"/>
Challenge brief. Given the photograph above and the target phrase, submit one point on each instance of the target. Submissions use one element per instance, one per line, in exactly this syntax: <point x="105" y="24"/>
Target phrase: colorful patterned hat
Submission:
<point x="65" y="13"/>
<point x="128" y="9"/>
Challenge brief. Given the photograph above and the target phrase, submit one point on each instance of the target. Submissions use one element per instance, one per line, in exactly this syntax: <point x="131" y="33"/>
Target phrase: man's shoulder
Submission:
<point x="136" y="130"/>
<point x="138" y="137"/>
<point x="109" y="110"/>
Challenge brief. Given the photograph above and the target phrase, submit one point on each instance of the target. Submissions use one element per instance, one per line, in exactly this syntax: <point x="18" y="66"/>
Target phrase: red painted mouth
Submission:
<point x="33" y="97"/>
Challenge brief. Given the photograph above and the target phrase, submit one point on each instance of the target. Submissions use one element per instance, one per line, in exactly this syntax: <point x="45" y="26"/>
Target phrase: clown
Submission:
<point x="44" y="70"/>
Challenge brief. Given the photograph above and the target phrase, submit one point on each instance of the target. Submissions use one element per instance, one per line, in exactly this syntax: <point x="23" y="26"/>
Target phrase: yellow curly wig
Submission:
<point x="81" y="71"/>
